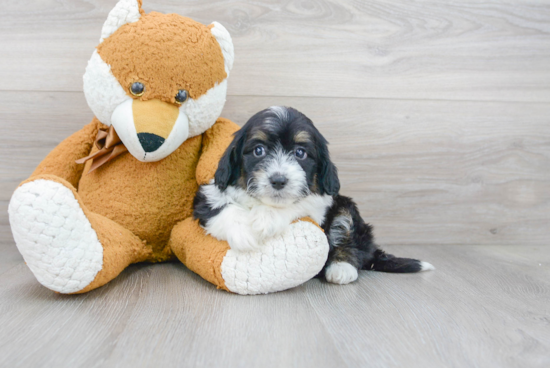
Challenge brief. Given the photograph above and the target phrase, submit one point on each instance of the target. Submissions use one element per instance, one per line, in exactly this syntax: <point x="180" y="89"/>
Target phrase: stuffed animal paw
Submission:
<point x="281" y="263"/>
<point x="54" y="235"/>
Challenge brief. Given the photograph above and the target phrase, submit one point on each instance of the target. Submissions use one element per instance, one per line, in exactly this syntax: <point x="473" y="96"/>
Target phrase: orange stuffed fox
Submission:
<point x="120" y="190"/>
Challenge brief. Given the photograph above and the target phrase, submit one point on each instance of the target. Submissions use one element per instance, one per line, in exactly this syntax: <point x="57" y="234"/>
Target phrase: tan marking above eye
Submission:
<point x="302" y="137"/>
<point x="259" y="135"/>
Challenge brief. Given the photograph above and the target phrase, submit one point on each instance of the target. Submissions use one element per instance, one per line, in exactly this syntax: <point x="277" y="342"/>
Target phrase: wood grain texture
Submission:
<point x="423" y="172"/>
<point x="497" y="50"/>
<point x="484" y="306"/>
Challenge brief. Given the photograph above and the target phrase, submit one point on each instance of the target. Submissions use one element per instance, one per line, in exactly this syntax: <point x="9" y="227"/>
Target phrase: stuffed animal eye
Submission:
<point x="259" y="151"/>
<point x="137" y="88"/>
<point x="300" y="154"/>
<point x="181" y="97"/>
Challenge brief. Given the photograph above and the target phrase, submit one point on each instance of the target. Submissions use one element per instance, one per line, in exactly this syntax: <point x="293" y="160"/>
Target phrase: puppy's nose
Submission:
<point x="278" y="181"/>
<point x="150" y="142"/>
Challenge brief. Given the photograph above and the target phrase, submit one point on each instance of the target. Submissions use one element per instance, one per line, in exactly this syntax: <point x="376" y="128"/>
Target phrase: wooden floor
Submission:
<point x="484" y="306"/>
<point x="438" y="114"/>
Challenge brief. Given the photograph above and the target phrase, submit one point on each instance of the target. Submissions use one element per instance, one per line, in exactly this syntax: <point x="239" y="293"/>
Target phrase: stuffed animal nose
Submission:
<point x="150" y="142"/>
<point x="154" y="121"/>
<point x="278" y="181"/>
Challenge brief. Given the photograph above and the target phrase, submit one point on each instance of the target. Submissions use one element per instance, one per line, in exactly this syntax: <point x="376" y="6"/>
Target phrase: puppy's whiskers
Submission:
<point x="249" y="185"/>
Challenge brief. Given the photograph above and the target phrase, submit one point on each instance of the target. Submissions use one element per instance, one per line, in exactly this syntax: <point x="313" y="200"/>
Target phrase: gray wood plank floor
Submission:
<point x="438" y="116"/>
<point x="484" y="306"/>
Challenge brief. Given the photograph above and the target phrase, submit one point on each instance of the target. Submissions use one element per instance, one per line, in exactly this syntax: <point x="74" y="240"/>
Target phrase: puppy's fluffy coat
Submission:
<point x="277" y="170"/>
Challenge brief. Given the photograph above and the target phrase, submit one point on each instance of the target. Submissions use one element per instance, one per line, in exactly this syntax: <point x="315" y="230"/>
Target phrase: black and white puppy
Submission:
<point x="277" y="170"/>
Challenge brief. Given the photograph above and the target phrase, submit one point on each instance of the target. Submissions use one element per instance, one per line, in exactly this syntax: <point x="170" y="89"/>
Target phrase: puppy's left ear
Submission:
<point x="229" y="167"/>
<point x="327" y="174"/>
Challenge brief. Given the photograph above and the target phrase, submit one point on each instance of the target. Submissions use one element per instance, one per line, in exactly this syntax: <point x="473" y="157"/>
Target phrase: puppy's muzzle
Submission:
<point x="278" y="181"/>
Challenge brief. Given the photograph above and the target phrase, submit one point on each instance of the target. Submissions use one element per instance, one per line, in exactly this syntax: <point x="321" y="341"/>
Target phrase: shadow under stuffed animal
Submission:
<point x="120" y="191"/>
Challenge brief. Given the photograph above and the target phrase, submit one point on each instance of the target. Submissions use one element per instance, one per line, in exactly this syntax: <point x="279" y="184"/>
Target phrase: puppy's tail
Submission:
<point x="384" y="262"/>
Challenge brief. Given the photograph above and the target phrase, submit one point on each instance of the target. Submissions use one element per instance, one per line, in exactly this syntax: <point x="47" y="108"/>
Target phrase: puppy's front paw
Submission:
<point x="267" y="223"/>
<point x="242" y="239"/>
<point x="263" y="229"/>
<point x="341" y="273"/>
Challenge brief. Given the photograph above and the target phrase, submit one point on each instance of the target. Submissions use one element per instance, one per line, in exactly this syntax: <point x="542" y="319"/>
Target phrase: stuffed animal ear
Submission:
<point x="224" y="39"/>
<point x="124" y="12"/>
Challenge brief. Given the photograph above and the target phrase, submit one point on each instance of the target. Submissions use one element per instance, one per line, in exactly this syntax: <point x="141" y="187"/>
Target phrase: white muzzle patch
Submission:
<point x="280" y="163"/>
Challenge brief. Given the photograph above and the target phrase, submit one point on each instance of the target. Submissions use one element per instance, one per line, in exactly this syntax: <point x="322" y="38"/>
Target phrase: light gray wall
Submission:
<point x="438" y="114"/>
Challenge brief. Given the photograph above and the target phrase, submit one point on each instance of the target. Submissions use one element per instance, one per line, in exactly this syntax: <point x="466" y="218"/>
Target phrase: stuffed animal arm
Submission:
<point x="120" y="190"/>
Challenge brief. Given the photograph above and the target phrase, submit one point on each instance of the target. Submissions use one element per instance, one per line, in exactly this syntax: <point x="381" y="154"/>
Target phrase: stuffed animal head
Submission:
<point x="158" y="79"/>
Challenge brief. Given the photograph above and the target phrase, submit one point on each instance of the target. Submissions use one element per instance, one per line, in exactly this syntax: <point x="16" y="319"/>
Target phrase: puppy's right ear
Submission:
<point x="229" y="167"/>
<point x="328" y="174"/>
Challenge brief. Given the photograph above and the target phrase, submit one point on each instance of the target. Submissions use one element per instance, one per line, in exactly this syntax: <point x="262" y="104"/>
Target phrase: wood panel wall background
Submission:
<point x="438" y="113"/>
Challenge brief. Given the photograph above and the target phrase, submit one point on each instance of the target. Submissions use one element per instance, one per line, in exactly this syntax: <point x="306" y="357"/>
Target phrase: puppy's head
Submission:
<point x="278" y="157"/>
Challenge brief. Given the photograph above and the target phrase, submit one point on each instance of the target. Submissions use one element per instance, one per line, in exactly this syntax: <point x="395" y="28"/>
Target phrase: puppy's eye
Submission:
<point x="300" y="154"/>
<point x="259" y="151"/>
<point x="137" y="89"/>
<point x="181" y="97"/>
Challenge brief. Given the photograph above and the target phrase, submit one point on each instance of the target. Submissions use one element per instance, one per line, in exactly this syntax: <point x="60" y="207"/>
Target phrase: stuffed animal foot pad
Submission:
<point x="54" y="236"/>
<point x="281" y="263"/>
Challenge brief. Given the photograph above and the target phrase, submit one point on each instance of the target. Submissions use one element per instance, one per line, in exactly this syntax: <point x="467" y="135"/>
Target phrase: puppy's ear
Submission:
<point x="327" y="174"/>
<point x="229" y="167"/>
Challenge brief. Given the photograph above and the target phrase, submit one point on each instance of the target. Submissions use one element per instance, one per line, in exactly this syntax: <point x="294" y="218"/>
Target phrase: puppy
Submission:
<point x="277" y="170"/>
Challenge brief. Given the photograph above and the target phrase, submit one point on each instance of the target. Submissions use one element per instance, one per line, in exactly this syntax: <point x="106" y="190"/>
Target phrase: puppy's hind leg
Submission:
<point x="341" y="268"/>
<point x="351" y="241"/>
<point x="344" y="259"/>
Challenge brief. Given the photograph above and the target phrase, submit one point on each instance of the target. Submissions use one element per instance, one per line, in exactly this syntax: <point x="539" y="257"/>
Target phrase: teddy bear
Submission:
<point x="120" y="190"/>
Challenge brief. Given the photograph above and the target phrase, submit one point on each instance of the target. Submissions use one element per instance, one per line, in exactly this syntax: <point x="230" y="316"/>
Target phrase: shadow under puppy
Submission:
<point x="277" y="170"/>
